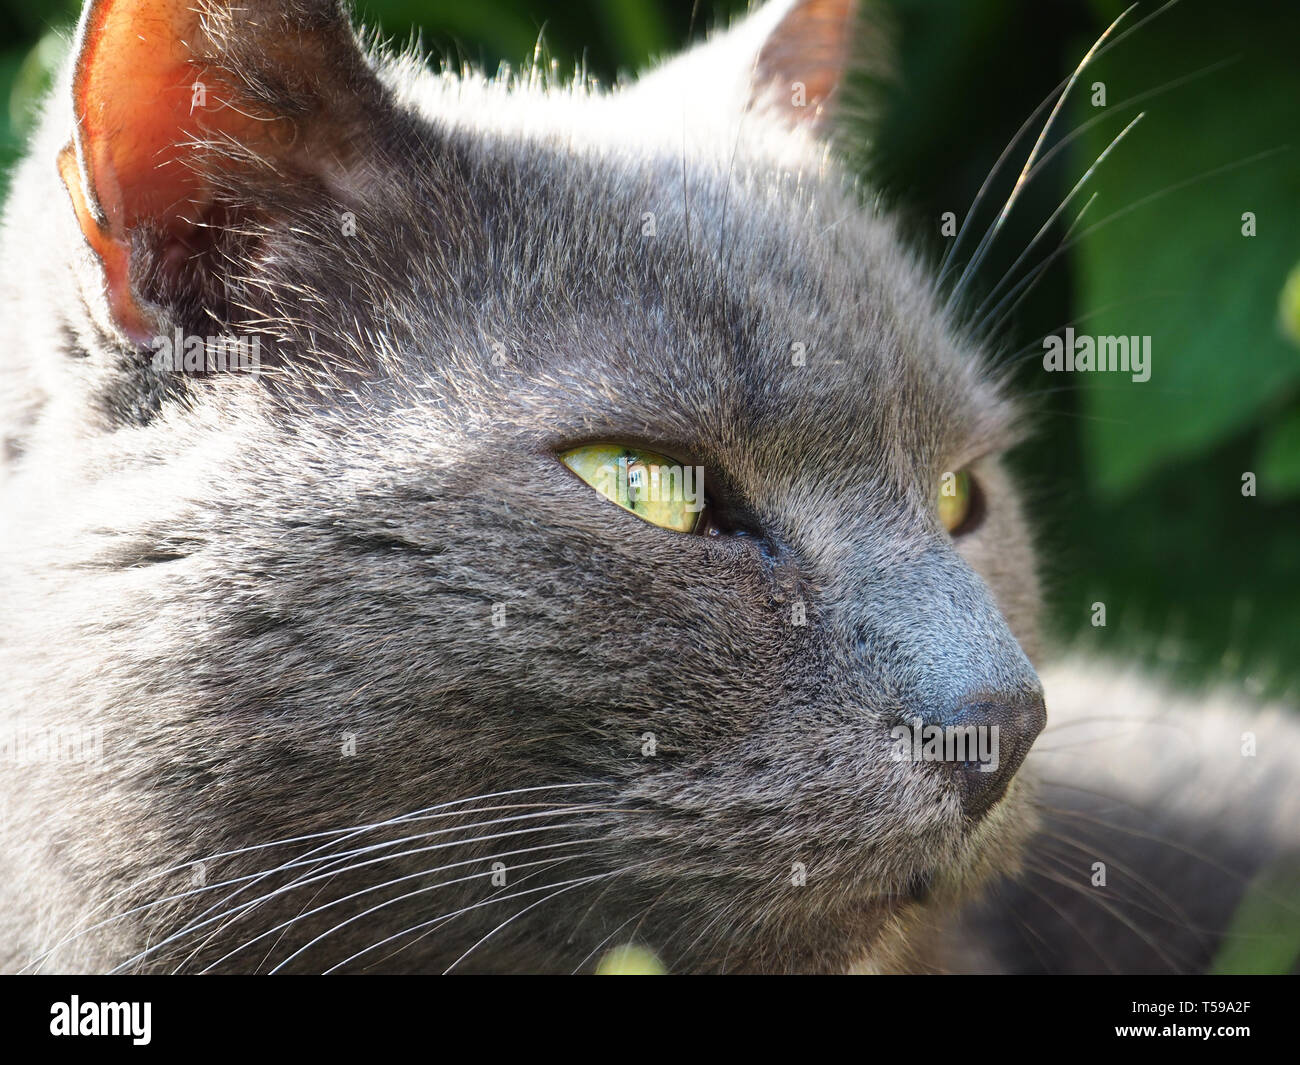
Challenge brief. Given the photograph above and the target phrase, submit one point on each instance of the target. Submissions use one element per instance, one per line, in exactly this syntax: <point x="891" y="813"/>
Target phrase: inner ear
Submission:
<point x="802" y="63"/>
<point x="169" y="95"/>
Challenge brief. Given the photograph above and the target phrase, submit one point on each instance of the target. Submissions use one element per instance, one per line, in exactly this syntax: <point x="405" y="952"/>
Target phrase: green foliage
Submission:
<point x="1279" y="456"/>
<point x="11" y="63"/>
<point x="626" y="35"/>
<point x="1193" y="169"/>
<point x="1264" y="937"/>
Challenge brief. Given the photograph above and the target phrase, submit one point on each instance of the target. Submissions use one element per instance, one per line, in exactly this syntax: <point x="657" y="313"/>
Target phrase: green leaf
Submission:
<point x="489" y="30"/>
<point x="1264" y="937"/>
<point x="638" y="31"/>
<point x="1177" y="267"/>
<point x="34" y="77"/>
<point x="1279" y="458"/>
<point x="1288" y="306"/>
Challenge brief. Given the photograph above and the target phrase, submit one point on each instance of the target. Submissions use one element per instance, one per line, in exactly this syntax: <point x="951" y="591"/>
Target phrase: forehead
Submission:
<point x="728" y="304"/>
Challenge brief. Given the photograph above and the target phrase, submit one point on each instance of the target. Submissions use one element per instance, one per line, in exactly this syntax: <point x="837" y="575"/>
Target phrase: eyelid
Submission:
<point x="972" y="458"/>
<point x="675" y="452"/>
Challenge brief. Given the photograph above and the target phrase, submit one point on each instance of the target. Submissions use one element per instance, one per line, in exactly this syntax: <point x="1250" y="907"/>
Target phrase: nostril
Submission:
<point x="1005" y="728"/>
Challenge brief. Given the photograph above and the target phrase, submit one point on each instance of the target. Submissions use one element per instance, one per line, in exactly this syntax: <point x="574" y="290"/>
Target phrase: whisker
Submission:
<point x="982" y="326"/>
<point x="1148" y="836"/>
<point x="299" y="883"/>
<point x="1115" y="912"/>
<point x="411" y="894"/>
<point x="1179" y="915"/>
<point x="990" y="235"/>
<point x="1064" y="915"/>
<point x="949" y="255"/>
<point x="455" y="913"/>
<point x="1057" y="213"/>
<point x="598" y="947"/>
<point x="508" y="920"/>
<point x="1035" y="348"/>
<point x="1132" y="101"/>
<point x="547" y="865"/>
<point x="331" y="858"/>
<point x="1030" y="279"/>
<point x="344" y="832"/>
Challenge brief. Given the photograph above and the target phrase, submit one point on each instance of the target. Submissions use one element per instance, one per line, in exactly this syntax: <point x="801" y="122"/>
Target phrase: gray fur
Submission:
<point x="229" y="572"/>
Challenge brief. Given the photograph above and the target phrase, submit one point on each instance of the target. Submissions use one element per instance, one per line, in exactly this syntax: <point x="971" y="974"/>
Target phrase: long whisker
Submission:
<point x="295" y="885"/>
<point x="328" y="834"/>
<point x="949" y="256"/>
<point x="1183" y="919"/>
<point x="1057" y="213"/>
<point x="239" y="913"/>
<point x="1031" y="278"/>
<point x="520" y="913"/>
<point x="1149" y="837"/>
<point x="546" y="866"/>
<point x="257" y="877"/>
<point x="411" y="894"/>
<point x="331" y="858"/>
<point x="990" y="235"/>
<point x="1034" y="349"/>
<point x="455" y="913"/>
<point x="597" y="948"/>
<point x="1132" y="101"/>
<point x="1118" y="914"/>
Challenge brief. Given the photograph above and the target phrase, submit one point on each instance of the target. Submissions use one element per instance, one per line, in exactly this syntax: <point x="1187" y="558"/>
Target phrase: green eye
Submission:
<point x="651" y="486"/>
<point x="956" y="501"/>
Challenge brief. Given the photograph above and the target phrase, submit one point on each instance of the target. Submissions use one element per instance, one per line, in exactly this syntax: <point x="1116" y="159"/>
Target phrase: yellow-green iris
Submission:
<point x="954" y="499"/>
<point x="648" y="484"/>
<point x="630" y="960"/>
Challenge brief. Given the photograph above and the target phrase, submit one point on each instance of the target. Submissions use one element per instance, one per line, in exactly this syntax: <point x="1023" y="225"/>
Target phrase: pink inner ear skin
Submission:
<point x="133" y="90"/>
<point x="140" y="99"/>
<point x="810" y="46"/>
<point x="113" y="253"/>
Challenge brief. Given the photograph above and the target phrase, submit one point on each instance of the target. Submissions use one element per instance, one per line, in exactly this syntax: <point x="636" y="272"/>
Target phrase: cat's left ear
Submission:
<point x="789" y="59"/>
<point x="172" y="96"/>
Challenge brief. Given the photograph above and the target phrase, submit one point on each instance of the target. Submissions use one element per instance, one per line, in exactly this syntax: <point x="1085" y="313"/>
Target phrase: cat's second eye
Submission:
<point x="652" y="486"/>
<point x="960" y="503"/>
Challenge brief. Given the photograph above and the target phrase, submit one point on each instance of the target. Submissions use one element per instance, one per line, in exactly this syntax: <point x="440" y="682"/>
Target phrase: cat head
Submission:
<point x="366" y="574"/>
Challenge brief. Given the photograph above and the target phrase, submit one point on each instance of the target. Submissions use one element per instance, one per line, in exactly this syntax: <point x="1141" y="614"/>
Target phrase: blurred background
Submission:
<point x="1137" y="488"/>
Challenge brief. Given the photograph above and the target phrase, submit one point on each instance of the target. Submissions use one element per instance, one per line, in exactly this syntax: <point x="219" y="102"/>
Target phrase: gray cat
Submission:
<point x="344" y="631"/>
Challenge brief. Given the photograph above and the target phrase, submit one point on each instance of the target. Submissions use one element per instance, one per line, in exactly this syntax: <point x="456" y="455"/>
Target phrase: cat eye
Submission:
<point x="960" y="502"/>
<point x="652" y="486"/>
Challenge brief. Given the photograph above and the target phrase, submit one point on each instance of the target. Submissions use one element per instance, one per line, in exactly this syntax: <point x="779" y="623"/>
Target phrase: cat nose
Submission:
<point x="1006" y="726"/>
<point x="930" y="631"/>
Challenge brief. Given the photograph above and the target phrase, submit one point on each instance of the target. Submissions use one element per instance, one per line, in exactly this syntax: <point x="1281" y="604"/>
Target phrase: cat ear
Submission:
<point x="788" y="59"/>
<point x="802" y="63"/>
<point x="166" y="90"/>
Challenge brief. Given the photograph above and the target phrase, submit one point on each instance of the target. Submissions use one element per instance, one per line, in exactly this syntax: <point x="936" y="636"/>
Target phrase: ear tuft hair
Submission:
<point x="161" y="87"/>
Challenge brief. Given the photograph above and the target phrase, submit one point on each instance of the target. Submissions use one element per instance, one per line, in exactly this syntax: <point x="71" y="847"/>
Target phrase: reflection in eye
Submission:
<point x="651" y="486"/>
